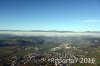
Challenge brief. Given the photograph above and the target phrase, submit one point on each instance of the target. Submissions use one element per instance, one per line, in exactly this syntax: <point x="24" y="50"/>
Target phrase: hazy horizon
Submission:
<point x="53" y="34"/>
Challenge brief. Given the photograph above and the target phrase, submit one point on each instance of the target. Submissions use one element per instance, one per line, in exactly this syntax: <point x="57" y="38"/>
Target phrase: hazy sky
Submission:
<point x="77" y="15"/>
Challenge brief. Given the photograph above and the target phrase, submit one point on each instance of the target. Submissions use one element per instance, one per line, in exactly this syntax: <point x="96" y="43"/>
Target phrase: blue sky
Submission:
<point x="69" y="15"/>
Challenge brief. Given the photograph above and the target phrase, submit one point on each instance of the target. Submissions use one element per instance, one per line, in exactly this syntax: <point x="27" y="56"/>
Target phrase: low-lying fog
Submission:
<point x="65" y="34"/>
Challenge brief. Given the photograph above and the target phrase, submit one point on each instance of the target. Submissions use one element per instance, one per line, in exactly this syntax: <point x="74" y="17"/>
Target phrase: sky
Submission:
<point x="63" y="15"/>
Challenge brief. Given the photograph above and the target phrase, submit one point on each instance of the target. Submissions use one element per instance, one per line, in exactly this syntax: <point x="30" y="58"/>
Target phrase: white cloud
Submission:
<point x="91" y="21"/>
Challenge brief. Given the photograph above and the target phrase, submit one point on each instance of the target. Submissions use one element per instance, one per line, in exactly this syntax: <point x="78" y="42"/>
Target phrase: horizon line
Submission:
<point x="50" y="30"/>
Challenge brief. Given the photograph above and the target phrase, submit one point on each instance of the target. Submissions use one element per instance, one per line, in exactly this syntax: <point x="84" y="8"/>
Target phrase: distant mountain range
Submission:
<point x="51" y="31"/>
